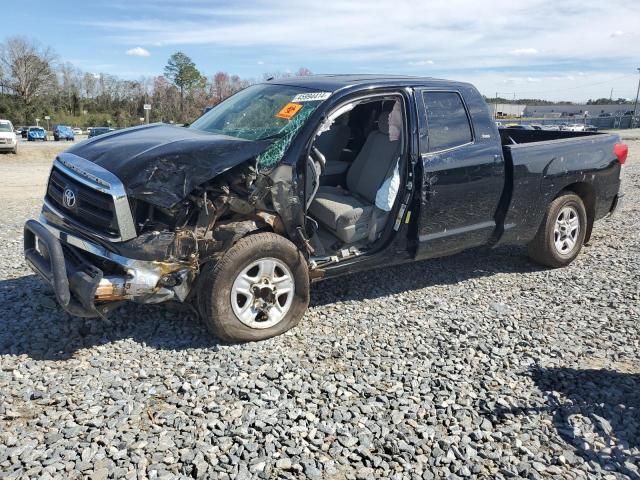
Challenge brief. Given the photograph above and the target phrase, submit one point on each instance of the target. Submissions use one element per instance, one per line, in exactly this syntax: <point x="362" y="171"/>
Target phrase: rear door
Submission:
<point x="462" y="171"/>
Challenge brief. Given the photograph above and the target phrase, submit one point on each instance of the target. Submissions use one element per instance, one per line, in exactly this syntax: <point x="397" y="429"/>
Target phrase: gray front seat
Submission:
<point x="331" y="143"/>
<point x="347" y="214"/>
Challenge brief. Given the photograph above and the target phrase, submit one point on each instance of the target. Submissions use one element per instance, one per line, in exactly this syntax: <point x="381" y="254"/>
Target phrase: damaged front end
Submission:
<point x="135" y="214"/>
<point x="109" y="247"/>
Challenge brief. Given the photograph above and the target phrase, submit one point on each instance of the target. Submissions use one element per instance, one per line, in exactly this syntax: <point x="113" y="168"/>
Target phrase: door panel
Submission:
<point x="462" y="184"/>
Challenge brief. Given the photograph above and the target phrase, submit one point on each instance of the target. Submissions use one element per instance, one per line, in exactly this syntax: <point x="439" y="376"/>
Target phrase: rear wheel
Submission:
<point x="562" y="232"/>
<point x="258" y="289"/>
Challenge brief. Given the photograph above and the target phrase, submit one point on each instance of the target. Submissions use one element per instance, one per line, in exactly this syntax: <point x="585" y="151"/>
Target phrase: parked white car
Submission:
<point x="77" y="131"/>
<point x="576" y="127"/>
<point x="8" y="140"/>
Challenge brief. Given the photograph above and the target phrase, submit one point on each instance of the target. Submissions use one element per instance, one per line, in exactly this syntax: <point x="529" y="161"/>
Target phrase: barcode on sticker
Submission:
<point x="311" y="97"/>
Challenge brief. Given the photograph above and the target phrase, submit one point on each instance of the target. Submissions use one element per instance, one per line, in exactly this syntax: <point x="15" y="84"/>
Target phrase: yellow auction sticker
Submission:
<point x="289" y="111"/>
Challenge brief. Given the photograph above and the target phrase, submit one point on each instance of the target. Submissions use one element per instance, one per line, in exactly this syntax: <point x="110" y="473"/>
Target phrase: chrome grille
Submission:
<point x="92" y="208"/>
<point x="100" y="205"/>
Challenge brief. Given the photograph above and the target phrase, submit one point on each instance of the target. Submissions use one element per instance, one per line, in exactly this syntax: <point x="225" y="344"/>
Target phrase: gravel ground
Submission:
<point x="478" y="365"/>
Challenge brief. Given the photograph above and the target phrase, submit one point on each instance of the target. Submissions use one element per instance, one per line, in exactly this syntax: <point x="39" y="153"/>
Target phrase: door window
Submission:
<point x="447" y="121"/>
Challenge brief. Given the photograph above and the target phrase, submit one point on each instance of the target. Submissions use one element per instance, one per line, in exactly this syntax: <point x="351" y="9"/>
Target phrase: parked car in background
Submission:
<point x="551" y="128"/>
<point x="520" y="127"/>
<point x="77" y="131"/>
<point x="8" y="140"/>
<point x="536" y="126"/>
<point x="95" y="131"/>
<point x="590" y="128"/>
<point x="36" y="133"/>
<point x="62" y="132"/>
<point x="576" y="127"/>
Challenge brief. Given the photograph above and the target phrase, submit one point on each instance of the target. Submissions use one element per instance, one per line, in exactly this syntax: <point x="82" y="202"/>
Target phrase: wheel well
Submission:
<point x="587" y="194"/>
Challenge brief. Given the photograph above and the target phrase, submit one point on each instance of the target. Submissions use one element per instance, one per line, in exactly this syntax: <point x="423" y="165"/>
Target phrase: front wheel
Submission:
<point x="258" y="289"/>
<point x="562" y="232"/>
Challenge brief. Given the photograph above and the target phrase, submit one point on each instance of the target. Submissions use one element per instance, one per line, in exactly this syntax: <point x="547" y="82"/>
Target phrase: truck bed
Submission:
<point x="513" y="136"/>
<point x="540" y="164"/>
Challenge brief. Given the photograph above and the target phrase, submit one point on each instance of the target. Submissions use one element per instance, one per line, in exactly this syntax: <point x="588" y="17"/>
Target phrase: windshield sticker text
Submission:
<point x="311" y="97"/>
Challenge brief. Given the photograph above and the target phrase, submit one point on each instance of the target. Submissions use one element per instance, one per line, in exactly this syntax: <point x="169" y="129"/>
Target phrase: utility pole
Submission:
<point x="635" y="106"/>
<point x="611" y="96"/>
<point x="495" y="108"/>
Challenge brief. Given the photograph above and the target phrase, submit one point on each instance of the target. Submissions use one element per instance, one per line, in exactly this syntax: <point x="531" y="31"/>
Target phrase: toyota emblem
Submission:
<point x="69" y="198"/>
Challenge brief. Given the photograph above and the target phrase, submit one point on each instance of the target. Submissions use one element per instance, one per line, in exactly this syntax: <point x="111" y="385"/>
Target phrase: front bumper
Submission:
<point x="71" y="265"/>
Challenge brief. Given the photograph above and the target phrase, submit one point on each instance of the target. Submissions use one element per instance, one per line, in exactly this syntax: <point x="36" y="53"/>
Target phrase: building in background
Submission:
<point x="508" y="110"/>
<point x="576" y="110"/>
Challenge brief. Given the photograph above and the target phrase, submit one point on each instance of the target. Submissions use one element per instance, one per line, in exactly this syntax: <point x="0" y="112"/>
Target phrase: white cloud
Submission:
<point x="138" y="52"/>
<point x="524" y="51"/>
<point x="617" y="33"/>
<point x="421" y="63"/>
<point x="400" y="36"/>
<point x="562" y="77"/>
<point x="260" y="62"/>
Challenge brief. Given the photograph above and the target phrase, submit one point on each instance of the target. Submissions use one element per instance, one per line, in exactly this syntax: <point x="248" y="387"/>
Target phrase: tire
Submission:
<point x="548" y="247"/>
<point x="242" y="268"/>
<point x="15" y="151"/>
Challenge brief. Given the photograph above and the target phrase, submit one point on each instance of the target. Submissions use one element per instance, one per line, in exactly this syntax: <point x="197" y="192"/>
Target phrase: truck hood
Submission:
<point x="161" y="164"/>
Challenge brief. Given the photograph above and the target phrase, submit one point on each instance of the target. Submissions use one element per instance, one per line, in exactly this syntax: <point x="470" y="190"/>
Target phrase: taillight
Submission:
<point x="621" y="151"/>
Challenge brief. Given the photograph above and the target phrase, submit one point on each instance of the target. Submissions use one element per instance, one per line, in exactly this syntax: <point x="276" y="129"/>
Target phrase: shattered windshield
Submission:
<point x="261" y="112"/>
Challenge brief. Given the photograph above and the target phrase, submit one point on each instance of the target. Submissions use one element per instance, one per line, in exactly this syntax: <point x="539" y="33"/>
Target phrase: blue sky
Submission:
<point x="556" y="49"/>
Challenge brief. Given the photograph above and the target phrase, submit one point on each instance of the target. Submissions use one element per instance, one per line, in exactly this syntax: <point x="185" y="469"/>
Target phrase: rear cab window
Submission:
<point x="447" y="122"/>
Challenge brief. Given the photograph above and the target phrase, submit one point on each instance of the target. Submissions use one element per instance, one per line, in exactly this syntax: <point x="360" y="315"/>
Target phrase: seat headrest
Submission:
<point x="395" y="122"/>
<point x="383" y="123"/>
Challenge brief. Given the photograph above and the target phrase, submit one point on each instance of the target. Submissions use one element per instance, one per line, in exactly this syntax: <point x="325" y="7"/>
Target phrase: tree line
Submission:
<point x="34" y="83"/>
<point x="539" y="101"/>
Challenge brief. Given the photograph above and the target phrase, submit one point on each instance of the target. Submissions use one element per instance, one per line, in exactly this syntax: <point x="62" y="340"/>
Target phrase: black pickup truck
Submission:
<point x="296" y="180"/>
